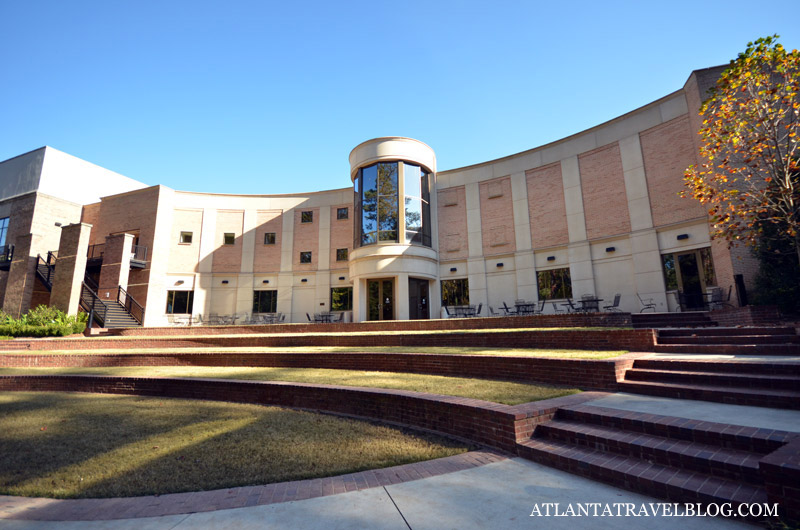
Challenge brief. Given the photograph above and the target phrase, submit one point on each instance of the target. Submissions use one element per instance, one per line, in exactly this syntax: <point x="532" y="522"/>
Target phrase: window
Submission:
<point x="305" y="257"/>
<point x="179" y="302"/>
<point x="555" y="283"/>
<point x="4" y="230"/>
<point x="307" y="217"/>
<point x="342" y="213"/>
<point x="229" y="238"/>
<point x="341" y="254"/>
<point x="379" y="205"/>
<point x="186" y="238"/>
<point x="417" y="205"/>
<point x="269" y="238"/>
<point x="455" y="292"/>
<point x="341" y="298"/>
<point x="265" y="301"/>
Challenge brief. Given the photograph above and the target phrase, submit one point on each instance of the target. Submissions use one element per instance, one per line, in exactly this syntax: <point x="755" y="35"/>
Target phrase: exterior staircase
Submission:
<point x="676" y="459"/>
<point x="110" y="314"/>
<point x="762" y="384"/>
<point x="733" y="341"/>
<point x="689" y="319"/>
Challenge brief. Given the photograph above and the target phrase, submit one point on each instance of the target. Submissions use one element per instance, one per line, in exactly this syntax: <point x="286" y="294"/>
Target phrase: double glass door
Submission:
<point x="380" y="299"/>
<point x="418" y="299"/>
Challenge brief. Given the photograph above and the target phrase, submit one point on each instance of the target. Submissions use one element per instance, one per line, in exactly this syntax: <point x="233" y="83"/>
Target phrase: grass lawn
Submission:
<point x="68" y="445"/>
<point x="441" y="350"/>
<point x="488" y="390"/>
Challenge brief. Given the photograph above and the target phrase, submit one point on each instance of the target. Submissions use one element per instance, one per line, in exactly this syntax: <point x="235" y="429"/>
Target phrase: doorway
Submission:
<point x="380" y="299"/>
<point x="418" y="299"/>
<point x="690" y="274"/>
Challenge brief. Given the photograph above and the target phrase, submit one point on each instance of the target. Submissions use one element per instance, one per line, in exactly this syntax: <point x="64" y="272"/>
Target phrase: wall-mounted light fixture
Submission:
<point x="611" y="249"/>
<point x="499" y="265"/>
<point x="453" y="269"/>
<point x="681" y="237"/>
<point x="304" y="280"/>
<point x="224" y="281"/>
<point x="265" y="281"/>
<point x="58" y="224"/>
<point x="179" y="282"/>
<point x="341" y="277"/>
<point x="551" y="258"/>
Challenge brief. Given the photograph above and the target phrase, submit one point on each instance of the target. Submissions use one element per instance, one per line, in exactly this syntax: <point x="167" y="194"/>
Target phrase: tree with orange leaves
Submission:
<point x="750" y="174"/>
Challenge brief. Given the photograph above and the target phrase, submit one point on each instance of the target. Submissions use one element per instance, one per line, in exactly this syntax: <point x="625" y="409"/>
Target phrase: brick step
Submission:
<point x="714" y="379"/>
<point x="733" y="367"/>
<point x="749" y="439"/>
<point x="736" y="339"/>
<point x="727" y="332"/>
<point x="730" y="349"/>
<point x="657" y="480"/>
<point x="730" y="464"/>
<point x="666" y="324"/>
<point x="781" y="399"/>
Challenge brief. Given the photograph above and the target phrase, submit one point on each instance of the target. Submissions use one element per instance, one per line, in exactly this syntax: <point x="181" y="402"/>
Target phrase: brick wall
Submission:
<point x="228" y="258"/>
<point x="746" y="316"/>
<point x="605" y="202"/>
<point x="267" y="258"/>
<point x="546" y="207"/>
<point x="668" y="149"/>
<point x="452" y="212"/>
<point x="184" y="257"/>
<point x="497" y="223"/>
<point x="341" y="235"/>
<point x="306" y="239"/>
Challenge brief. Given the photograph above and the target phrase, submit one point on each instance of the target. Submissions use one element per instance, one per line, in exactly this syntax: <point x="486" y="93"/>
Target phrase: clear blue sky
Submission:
<point x="267" y="97"/>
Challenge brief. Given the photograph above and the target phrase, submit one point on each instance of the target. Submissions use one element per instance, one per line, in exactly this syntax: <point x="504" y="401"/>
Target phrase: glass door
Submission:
<point x="690" y="280"/>
<point x="418" y="299"/>
<point x="380" y="299"/>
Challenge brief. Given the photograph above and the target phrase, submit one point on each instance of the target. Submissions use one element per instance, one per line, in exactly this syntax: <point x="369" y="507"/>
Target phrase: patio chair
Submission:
<point x="614" y="307"/>
<point x="572" y="308"/>
<point x="446" y="311"/>
<point x="493" y="313"/>
<point x="283" y="317"/>
<point x="309" y="318"/>
<point x="509" y="312"/>
<point x="539" y="310"/>
<point x="556" y="309"/>
<point x="339" y="318"/>
<point x="650" y="304"/>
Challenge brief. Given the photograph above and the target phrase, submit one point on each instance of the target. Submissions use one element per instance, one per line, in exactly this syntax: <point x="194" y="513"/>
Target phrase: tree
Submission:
<point x="749" y="177"/>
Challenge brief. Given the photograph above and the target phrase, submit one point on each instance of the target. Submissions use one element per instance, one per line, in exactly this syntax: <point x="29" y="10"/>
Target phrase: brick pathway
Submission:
<point x="41" y="509"/>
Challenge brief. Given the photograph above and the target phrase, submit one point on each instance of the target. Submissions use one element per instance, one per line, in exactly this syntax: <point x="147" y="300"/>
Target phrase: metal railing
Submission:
<point x="6" y="256"/>
<point x="91" y="303"/>
<point x="46" y="269"/>
<point x="95" y="251"/>
<point x="133" y="308"/>
<point x="139" y="253"/>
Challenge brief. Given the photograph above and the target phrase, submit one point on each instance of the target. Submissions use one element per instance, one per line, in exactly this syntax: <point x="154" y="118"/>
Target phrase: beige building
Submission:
<point x="595" y="214"/>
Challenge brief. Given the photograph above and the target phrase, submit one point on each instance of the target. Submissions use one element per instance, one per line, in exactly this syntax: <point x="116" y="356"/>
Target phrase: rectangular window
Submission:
<point x="670" y="274"/>
<point x="342" y="213"/>
<point x="554" y="284"/>
<point x="265" y="301"/>
<point x="305" y="257"/>
<point x="229" y="238"/>
<point x="341" y="254"/>
<point x="455" y="292"/>
<point x="307" y="217"/>
<point x="186" y="238"/>
<point x="3" y="230"/>
<point x="179" y="302"/>
<point x="341" y="298"/>
<point x="269" y="238"/>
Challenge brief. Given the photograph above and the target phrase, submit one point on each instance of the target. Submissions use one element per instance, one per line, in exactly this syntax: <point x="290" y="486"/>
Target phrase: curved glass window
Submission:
<point x="378" y="217"/>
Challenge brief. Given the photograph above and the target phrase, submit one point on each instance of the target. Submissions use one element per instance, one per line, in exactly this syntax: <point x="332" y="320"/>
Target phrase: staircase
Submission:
<point x="676" y="459"/>
<point x="762" y="384"/>
<point x="118" y="317"/>
<point x="689" y="319"/>
<point x="733" y="341"/>
<point x="46" y="269"/>
<point x="109" y="314"/>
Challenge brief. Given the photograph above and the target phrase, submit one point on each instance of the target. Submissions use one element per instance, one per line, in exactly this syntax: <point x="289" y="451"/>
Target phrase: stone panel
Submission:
<point x="605" y="201"/>
<point x="497" y="217"/>
<point x="452" y="212"/>
<point x="546" y="207"/>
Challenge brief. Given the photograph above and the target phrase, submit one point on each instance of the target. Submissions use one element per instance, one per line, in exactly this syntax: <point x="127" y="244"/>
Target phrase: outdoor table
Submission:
<point x="324" y="318"/>
<point x="590" y="304"/>
<point x="464" y="311"/>
<point x="528" y="308"/>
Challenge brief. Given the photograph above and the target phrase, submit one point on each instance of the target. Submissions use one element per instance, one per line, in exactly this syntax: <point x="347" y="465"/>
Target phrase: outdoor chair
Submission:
<point x="309" y="318"/>
<point x="493" y="313"/>
<point x="509" y="312"/>
<point x="571" y="307"/>
<point x="478" y="311"/>
<point x="539" y="310"/>
<point x="556" y="309"/>
<point x="650" y="304"/>
<point x="614" y="307"/>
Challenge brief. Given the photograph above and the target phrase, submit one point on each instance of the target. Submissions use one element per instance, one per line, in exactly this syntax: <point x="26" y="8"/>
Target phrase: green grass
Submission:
<point x="442" y="350"/>
<point x="495" y="391"/>
<point x="67" y="445"/>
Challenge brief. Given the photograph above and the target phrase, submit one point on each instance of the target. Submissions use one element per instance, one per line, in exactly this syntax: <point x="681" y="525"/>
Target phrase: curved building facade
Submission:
<point x="595" y="214"/>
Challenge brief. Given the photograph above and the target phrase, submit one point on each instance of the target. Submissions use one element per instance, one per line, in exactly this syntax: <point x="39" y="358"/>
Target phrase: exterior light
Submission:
<point x="224" y="281"/>
<point x="681" y="237"/>
<point x="551" y="258"/>
<point x="453" y="269"/>
<point x="499" y="264"/>
<point x="265" y="281"/>
<point x="611" y="249"/>
<point x="304" y="280"/>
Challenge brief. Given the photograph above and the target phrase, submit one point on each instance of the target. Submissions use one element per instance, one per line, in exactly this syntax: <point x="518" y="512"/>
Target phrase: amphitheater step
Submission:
<point x="730" y="349"/>
<point x="779" y="368"/>
<point x="751" y="381"/>
<point x="727" y="332"/>
<point x="672" y="320"/>
<point x="730" y="339"/>
<point x="783" y="399"/>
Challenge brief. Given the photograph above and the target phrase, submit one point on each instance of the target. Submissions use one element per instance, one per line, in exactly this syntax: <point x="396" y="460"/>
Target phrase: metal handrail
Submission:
<point x="92" y="304"/>
<point x="134" y="308"/>
<point x="95" y="251"/>
<point x="139" y="253"/>
<point x="52" y="257"/>
<point x="46" y="269"/>
<point x="6" y="253"/>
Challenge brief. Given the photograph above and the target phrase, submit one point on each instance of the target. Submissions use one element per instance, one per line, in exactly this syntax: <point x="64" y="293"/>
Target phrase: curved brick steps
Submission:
<point x="727" y="332"/>
<point x="782" y="399"/>
<point x="676" y="459"/>
<point x="780" y="368"/>
<point x="735" y="339"/>
<point x="740" y="340"/>
<point x="729" y="349"/>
